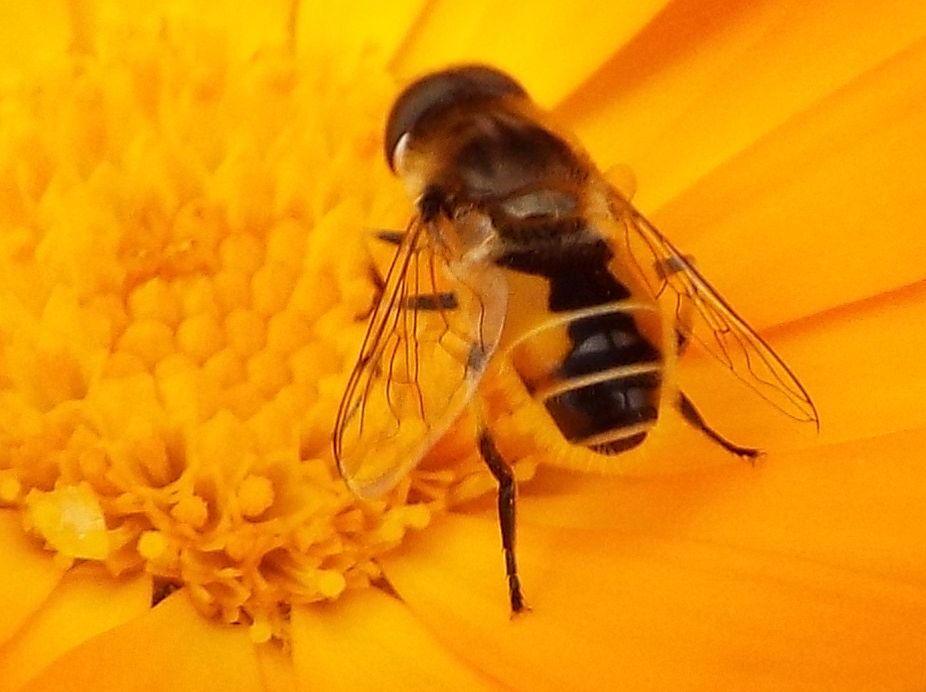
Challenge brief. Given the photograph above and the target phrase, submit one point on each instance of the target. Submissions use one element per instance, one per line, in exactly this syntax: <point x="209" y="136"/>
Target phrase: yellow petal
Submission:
<point x="640" y="613"/>
<point x="551" y="46"/>
<point x="370" y="640"/>
<point x="704" y="81"/>
<point x="27" y="578"/>
<point x="85" y="603"/>
<point x="171" y="647"/>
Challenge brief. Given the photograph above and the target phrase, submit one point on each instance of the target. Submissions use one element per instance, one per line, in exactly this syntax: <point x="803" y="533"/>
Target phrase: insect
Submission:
<point x="521" y="255"/>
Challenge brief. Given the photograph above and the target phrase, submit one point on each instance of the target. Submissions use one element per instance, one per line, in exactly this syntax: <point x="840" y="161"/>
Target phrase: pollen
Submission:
<point x="70" y="520"/>
<point x="10" y="487"/>
<point x="152" y="545"/>
<point x="190" y="510"/>
<point x="185" y="277"/>
<point x="255" y="495"/>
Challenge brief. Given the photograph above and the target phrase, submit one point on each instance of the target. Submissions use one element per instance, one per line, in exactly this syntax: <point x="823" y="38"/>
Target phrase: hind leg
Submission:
<point x="696" y="420"/>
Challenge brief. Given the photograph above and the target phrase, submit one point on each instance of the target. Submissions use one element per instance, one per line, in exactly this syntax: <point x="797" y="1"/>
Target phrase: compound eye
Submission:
<point x="440" y="90"/>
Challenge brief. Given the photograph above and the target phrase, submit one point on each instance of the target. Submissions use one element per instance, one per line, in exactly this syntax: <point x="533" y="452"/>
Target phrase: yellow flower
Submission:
<point x="185" y="194"/>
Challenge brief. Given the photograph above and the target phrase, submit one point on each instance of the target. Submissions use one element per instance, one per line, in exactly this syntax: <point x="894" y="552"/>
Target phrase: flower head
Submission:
<point x="186" y="205"/>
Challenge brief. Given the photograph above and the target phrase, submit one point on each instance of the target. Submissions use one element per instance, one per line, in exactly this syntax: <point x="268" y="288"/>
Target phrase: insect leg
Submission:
<point x="664" y="267"/>
<point x="389" y="236"/>
<point x="444" y="300"/>
<point x="507" y="489"/>
<point x="694" y="417"/>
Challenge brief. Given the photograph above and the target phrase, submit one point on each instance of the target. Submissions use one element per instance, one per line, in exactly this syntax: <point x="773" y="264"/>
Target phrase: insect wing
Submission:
<point x="704" y="320"/>
<point x="420" y="363"/>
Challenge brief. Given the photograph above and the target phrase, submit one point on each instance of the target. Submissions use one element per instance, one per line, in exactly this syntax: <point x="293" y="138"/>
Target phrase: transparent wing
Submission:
<point x="705" y="321"/>
<point x="420" y="363"/>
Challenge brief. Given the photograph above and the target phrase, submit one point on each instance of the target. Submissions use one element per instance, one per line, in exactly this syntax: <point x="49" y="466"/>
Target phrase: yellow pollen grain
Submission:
<point x="255" y="495"/>
<point x="243" y="399"/>
<point x="148" y="339"/>
<point x="225" y="368"/>
<point x="268" y="371"/>
<point x="63" y="561"/>
<point x="311" y="361"/>
<point x="156" y="301"/>
<point x="93" y="463"/>
<point x="232" y="289"/>
<point x="287" y="331"/>
<point x="70" y="520"/>
<point x="399" y="519"/>
<point x="149" y="452"/>
<point x="312" y="297"/>
<point x="10" y="487"/>
<point x="239" y="547"/>
<point x="260" y="631"/>
<point x="286" y="243"/>
<point x="191" y="510"/>
<point x="246" y="331"/>
<point x="152" y="545"/>
<point x="330" y="583"/>
<point x="59" y="377"/>
<point x="417" y="516"/>
<point x="122" y="364"/>
<point x="200" y="336"/>
<point x="242" y="252"/>
<point x="271" y="287"/>
<point x="197" y="295"/>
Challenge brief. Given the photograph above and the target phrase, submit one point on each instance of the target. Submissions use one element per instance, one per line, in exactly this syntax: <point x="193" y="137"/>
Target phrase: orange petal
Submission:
<point x="369" y="639"/>
<point x="824" y="210"/>
<point x="704" y="81"/>
<point x="641" y="613"/>
<point x="858" y="505"/>
<point x="859" y="363"/>
<point x="85" y="603"/>
<point x="27" y="578"/>
<point x="171" y="647"/>
<point x="276" y="668"/>
<point x="551" y="46"/>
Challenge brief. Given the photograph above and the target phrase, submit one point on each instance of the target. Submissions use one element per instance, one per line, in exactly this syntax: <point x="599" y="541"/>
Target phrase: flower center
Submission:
<point x="185" y="271"/>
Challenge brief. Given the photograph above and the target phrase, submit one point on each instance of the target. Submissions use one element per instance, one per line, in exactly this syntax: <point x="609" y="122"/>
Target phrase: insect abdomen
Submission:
<point x="594" y="367"/>
<point x="607" y="396"/>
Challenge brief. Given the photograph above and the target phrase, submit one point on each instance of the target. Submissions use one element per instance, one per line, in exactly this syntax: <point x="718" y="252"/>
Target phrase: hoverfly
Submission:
<point x="521" y="254"/>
